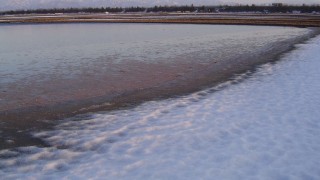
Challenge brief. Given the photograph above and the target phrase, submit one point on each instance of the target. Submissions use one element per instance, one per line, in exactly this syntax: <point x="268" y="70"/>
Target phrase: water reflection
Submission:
<point x="54" y="63"/>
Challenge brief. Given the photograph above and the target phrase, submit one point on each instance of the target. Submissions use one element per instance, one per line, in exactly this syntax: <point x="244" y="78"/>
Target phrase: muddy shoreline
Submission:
<point x="297" y="20"/>
<point x="15" y="132"/>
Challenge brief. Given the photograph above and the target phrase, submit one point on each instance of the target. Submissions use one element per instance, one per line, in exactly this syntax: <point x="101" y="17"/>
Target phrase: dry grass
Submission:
<point x="297" y="20"/>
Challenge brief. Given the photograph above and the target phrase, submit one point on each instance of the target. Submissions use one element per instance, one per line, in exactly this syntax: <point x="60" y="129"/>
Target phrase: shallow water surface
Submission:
<point x="50" y="64"/>
<point x="260" y="125"/>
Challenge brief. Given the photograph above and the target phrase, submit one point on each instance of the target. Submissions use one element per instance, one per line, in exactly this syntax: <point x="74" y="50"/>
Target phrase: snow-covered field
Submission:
<point x="260" y="125"/>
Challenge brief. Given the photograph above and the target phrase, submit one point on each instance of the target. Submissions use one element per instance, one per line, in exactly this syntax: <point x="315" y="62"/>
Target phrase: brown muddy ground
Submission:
<point x="299" y="20"/>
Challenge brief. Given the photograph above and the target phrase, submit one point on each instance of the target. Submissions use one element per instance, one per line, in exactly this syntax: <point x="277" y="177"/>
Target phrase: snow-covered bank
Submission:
<point x="261" y="125"/>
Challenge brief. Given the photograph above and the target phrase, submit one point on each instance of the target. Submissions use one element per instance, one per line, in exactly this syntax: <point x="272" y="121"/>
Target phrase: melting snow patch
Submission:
<point x="262" y="125"/>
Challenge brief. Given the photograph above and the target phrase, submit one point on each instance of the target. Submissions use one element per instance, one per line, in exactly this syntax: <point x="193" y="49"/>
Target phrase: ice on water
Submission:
<point x="260" y="125"/>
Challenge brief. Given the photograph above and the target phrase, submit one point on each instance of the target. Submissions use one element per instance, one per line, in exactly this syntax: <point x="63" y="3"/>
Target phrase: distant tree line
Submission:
<point x="64" y="10"/>
<point x="271" y="9"/>
<point x="186" y="8"/>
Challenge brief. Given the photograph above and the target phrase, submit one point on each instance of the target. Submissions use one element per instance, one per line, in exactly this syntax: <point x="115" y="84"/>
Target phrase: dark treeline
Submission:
<point x="271" y="9"/>
<point x="64" y="10"/>
<point x="186" y="8"/>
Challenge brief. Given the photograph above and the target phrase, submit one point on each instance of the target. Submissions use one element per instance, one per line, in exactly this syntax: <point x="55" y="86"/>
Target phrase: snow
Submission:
<point x="262" y="124"/>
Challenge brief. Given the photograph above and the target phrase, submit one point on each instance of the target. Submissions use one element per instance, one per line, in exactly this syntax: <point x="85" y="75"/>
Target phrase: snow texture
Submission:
<point x="259" y="125"/>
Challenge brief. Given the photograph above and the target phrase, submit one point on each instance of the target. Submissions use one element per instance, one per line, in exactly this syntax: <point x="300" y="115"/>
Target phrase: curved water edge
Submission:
<point x="181" y="60"/>
<point x="261" y="125"/>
